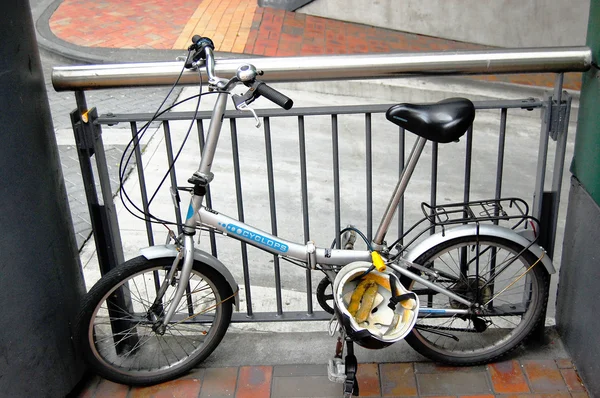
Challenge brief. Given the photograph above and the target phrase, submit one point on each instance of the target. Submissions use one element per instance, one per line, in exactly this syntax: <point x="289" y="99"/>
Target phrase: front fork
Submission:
<point x="188" y="260"/>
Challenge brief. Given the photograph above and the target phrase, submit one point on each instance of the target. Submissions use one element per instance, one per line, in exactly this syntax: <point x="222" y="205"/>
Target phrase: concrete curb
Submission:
<point x="249" y="348"/>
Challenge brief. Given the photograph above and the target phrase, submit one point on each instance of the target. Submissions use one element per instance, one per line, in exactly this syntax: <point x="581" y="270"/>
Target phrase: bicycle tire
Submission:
<point x="503" y="328"/>
<point x="134" y="353"/>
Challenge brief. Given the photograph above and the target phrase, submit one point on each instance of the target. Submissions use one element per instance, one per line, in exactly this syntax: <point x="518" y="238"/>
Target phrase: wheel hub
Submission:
<point x="468" y="288"/>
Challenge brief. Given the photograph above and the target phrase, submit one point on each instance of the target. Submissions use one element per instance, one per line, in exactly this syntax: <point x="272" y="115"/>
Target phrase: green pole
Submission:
<point x="586" y="160"/>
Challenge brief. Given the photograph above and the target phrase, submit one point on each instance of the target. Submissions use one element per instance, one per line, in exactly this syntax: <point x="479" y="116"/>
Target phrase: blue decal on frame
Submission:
<point x="190" y="212"/>
<point x="258" y="238"/>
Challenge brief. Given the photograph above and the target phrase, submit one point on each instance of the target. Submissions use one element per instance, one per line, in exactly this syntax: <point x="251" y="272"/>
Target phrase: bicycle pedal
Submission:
<point x="336" y="370"/>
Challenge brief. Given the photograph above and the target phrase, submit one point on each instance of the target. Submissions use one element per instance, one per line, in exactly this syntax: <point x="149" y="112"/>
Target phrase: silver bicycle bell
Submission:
<point x="246" y="73"/>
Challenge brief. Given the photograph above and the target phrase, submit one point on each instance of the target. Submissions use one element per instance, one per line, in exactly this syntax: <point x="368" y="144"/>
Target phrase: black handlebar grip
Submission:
<point x="275" y="96"/>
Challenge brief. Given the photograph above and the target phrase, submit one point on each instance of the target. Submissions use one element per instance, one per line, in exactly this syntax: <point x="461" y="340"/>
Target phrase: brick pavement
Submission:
<point x="508" y="379"/>
<point x="239" y="26"/>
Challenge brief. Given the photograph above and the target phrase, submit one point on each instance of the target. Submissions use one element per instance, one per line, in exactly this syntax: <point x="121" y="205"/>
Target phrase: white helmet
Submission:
<point x="374" y="308"/>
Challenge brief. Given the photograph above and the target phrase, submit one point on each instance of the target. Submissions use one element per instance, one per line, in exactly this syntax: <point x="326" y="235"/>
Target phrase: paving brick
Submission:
<point x="197" y="374"/>
<point x="254" y="382"/>
<point x="572" y="380"/>
<point x="477" y="396"/>
<point x="108" y="389"/>
<point x="219" y="382"/>
<point x="542" y="395"/>
<point x="300" y="370"/>
<point x="307" y="386"/>
<point x="579" y="395"/>
<point x="507" y="377"/>
<point x="368" y="380"/>
<point x="397" y="379"/>
<point x="453" y="383"/>
<point x="544" y="376"/>
<point x="182" y="388"/>
<point x="564" y="363"/>
<point x="90" y="387"/>
<point x="431" y="367"/>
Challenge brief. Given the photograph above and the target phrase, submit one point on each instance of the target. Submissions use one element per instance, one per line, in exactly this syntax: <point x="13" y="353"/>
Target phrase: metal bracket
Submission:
<point x="558" y="113"/>
<point x="311" y="254"/>
<point x="86" y="130"/>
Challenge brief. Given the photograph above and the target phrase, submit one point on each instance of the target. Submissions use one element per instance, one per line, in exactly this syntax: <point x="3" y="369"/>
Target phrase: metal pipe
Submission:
<point x="273" y="210"/>
<point x="369" y="167"/>
<point x="413" y="158"/>
<point x="240" y="206"/>
<point x="334" y="67"/>
<point x="336" y="181"/>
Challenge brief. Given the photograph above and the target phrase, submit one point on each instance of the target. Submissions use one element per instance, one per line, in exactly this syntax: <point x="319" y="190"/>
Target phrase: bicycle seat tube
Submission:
<point x="386" y="220"/>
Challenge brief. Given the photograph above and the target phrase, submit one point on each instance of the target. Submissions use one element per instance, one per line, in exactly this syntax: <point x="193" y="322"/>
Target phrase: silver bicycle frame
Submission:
<point x="199" y="215"/>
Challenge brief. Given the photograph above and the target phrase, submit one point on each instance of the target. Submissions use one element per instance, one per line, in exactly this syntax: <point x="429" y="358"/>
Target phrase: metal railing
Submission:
<point x="86" y="123"/>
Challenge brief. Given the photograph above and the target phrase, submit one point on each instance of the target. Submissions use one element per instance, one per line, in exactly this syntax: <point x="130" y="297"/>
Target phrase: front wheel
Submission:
<point x="119" y="324"/>
<point x="506" y="280"/>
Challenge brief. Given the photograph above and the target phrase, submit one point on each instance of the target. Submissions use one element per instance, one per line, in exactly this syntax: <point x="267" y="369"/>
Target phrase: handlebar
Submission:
<point x="203" y="47"/>
<point x="275" y="96"/>
<point x="210" y="64"/>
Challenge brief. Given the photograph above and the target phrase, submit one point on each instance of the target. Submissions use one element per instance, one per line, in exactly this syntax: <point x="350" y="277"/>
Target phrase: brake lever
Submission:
<point x="244" y="107"/>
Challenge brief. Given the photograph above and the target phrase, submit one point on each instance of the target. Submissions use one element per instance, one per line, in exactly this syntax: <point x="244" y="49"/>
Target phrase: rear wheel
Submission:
<point x="496" y="273"/>
<point x="119" y="326"/>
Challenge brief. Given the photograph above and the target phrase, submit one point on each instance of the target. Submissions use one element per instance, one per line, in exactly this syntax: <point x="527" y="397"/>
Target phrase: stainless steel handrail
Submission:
<point x="334" y="67"/>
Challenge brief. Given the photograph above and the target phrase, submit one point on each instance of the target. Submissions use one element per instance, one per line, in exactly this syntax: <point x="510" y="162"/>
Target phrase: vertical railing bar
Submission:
<point x="558" y="85"/>
<point x="336" y="179"/>
<point x="500" y="165"/>
<point x="542" y="159"/>
<point x="211" y="234"/>
<point x="498" y="190"/>
<point x="173" y="178"/>
<point x="273" y="209"/>
<point x="468" y="158"/>
<point x="169" y="145"/>
<point x="401" y="145"/>
<point x="240" y="206"/>
<point x="142" y="180"/>
<point x="434" y="180"/>
<point x="559" y="161"/>
<point x="369" y="167"/>
<point x="464" y="267"/>
<point x="103" y="217"/>
<point x="305" y="216"/>
<point x="433" y="198"/>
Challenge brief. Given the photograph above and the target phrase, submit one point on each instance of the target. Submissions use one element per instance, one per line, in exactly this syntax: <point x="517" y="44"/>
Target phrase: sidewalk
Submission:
<point x="512" y="378"/>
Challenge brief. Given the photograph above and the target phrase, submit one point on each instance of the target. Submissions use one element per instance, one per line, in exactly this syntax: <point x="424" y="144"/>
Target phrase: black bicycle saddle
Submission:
<point x="443" y="121"/>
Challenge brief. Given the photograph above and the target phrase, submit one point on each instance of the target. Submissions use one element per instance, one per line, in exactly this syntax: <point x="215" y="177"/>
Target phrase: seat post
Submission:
<point x="386" y="220"/>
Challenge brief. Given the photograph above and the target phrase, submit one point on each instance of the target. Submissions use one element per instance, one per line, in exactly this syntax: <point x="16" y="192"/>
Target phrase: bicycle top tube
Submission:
<point x="273" y="244"/>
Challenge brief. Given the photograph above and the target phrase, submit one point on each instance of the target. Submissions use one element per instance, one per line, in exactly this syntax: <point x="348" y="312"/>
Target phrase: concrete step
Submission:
<point x="268" y="348"/>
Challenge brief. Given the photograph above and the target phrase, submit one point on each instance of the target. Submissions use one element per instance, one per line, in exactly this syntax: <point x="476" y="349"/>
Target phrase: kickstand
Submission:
<point x="351" y="383"/>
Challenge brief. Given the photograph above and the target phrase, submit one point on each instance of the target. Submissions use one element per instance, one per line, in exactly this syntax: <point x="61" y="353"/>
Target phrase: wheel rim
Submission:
<point x="511" y="303"/>
<point x="136" y="349"/>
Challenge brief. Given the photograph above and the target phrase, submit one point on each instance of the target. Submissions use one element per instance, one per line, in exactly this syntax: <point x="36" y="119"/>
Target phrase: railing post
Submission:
<point x="102" y="216"/>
